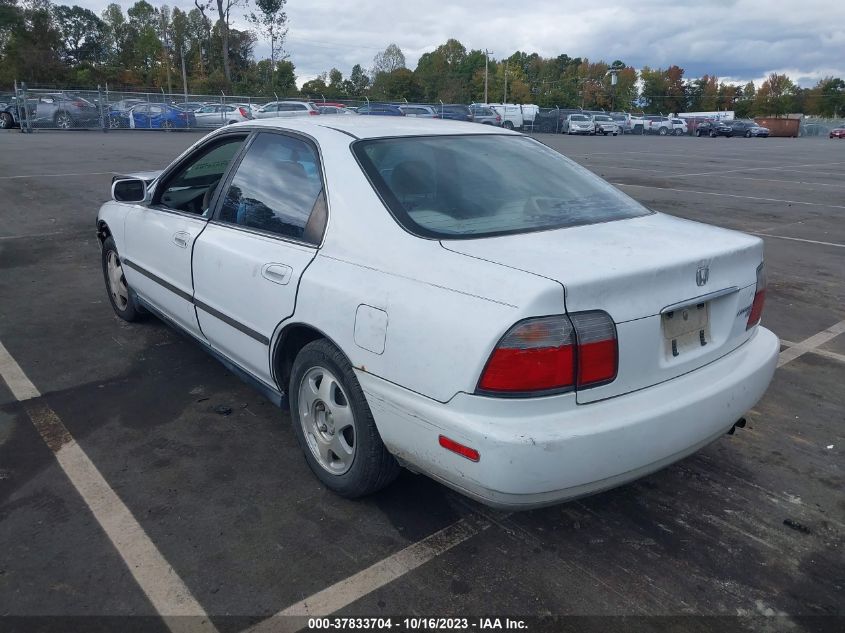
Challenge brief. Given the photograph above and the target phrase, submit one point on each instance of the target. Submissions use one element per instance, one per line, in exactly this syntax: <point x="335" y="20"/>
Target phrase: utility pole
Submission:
<point x="184" y="74"/>
<point x="486" y="61"/>
<point x="505" y="93"/>
<point x="165" y="57"/>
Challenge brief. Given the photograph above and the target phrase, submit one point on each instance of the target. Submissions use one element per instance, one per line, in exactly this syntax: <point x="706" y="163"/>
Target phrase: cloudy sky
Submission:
<point x="739" y="40"/>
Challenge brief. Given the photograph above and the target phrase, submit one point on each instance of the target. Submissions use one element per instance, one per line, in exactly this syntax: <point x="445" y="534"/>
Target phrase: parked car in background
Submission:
<point x="838" y="132"/>
<point x="679" y="127"/>
<point x="637" y="123"/>
<point x="553" y="119"/>
<point x="605" y="125"/>
<point x="622" y="120"/>
<point x="746" y="128"/>
<point x="512" y="342"/>
<point x="659" y="124"/>
<point x="333" y="109"/>
<point x="511" y="114"/>
<point x="123" y="105"/>
<point x="56" y="110"/>
<point x="419" y="111"/>
<point x="380" y="109"/>
<point x="153" y="116"/>
<point x="485" y="115"/>
<point x="708" y="128"/>
<point x="453" y="112"/>
<point x="190" y="106"/>
<point x="286" y="109"/>
<point x="580" y="124"/>
<point x="215" y="115"/>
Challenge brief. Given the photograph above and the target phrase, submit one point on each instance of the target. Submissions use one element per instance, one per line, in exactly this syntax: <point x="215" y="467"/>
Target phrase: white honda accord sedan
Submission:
<point x="459" y="300"/>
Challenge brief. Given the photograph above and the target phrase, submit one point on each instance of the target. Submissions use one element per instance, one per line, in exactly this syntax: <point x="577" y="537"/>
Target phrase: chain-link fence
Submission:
<point x="817" y="126"/>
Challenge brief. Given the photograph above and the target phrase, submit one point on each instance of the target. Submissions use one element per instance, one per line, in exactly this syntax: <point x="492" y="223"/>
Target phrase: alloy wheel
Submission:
<point x="327" y="420"/>
<point x="63" y="121"/>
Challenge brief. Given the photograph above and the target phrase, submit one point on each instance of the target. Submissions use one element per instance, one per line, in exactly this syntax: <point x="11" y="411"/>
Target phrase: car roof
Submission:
<point x="366" y="127"/>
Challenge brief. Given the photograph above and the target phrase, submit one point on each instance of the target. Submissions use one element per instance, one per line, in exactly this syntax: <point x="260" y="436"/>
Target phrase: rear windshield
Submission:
<point x="482" y="185"/>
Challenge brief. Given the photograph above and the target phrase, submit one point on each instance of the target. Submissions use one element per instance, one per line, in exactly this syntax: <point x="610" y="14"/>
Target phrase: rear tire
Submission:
<point x="167" y="125"/>
<point x="508" y="125"/>
<point x="698" y="133"/>
<point x="663" y="131"/>
<point x="334" y="425"/>
<point x="121" y="296"/>
<point x="748" y="134"/>
<point x="6" y="121"/>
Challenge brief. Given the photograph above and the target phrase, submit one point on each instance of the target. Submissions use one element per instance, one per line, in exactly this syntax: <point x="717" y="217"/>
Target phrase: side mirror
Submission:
<point x="129" y="190"/>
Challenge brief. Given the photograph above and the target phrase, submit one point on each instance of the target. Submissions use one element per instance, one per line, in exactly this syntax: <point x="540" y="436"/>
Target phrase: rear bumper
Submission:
<point x="541" y="451"/>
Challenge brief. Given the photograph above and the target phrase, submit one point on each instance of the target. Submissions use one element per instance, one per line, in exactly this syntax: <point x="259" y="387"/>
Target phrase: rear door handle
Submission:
<point x="181" y="239"/>
<point x="277" y="273"/>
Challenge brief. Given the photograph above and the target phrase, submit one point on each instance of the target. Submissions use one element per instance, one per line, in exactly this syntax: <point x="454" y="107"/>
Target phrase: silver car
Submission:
<point x="286" y="109"/>
<point x="580" y="124"/>
<point x="216" y="115"/>
<point x="605" y="125"/>
<point x="419" y="111"/>
<point x="484" y="115"/>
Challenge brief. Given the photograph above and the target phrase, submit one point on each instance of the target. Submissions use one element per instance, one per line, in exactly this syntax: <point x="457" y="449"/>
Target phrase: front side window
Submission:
<point x="482" y="185"/>
<point x="278" y="188"/>
<point x="191" y="188"/>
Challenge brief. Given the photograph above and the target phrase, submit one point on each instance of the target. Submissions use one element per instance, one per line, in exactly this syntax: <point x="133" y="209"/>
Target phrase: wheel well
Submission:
<point x="291" y="341"/>
<point x="103" y="232"/>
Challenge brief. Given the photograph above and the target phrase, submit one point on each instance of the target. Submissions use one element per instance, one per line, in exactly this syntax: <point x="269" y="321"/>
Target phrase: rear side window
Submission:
<point x="278" y="188"/>
<point x="471" y="186"/>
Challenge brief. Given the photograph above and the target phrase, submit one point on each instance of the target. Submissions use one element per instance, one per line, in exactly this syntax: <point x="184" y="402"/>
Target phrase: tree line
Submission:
<point x="163" y="48"/>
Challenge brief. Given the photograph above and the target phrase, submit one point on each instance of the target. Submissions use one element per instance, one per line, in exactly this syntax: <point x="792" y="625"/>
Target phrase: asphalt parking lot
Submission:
<point x="125" y="491"/>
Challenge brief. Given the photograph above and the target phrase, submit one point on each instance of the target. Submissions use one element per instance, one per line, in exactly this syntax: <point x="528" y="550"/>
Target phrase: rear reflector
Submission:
<point x="456" y="447"/>
<point x="759" y="298"/>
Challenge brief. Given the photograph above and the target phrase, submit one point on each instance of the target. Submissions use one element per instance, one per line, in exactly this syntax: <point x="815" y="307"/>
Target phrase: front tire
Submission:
<point x="167" y="125"/>
<point x="508" y="125"/>
<point x="663" y="131"/>
<point x="6" y="121"/>
<point x="63" y="120"/>
<point x="121" y="297"/>
<point x="748" y="134"/>
<point x="334" y="425"/>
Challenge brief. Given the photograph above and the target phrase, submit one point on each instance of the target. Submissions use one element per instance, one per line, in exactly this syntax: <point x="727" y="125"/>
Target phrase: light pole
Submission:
<point x="486" y="72"/>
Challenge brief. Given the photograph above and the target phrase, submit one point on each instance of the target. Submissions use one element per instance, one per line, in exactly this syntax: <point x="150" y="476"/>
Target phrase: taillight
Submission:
<point x="553" y="354"/>
<point x="535" y="355"/>
<point x="759" y="298"/>
<point x="243" y="112"/>
<point x="597" y="350"/>
<point x="312" y="112"/>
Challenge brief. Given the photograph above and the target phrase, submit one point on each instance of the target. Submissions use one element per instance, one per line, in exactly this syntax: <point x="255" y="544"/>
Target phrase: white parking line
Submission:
<point x="810" y="344"/>
<point x="819" y="351"/>
<point x="168" y="594"/>
<point x="796" y="239"/>
<point x="89" y="173"/>
<point x="732" y="195"/>
<point x="345" y="592"/>
<point x="786" y="182"/>
<point x="781" y="168"/>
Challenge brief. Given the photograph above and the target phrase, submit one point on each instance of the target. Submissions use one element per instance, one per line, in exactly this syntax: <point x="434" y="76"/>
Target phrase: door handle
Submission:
<point x="277" y="273"/>
<point x="181" y="238"/>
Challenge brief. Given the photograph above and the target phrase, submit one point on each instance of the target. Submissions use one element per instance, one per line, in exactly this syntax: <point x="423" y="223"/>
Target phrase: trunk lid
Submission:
<point x="634" y="269"/>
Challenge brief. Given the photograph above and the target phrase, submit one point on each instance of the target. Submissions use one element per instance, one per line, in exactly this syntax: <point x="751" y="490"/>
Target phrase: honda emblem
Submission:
<point x="702" y="274"/>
